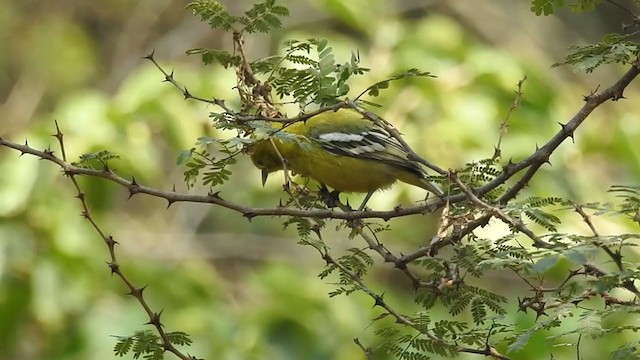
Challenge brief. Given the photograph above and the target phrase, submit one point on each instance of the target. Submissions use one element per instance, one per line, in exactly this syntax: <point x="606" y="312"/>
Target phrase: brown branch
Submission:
<point x="168" y="77"/>
<point x="368" y="353"/>
<point x="433" y="248"/>
<point x="497" y="212"/>
<point x="541" y="155"/>
<point x="615" y="256"/>
<point x="401" y="319"/>
<point x="504" y="124"/>
<point x="114" y="266"/>
<point x="214" y="198"/>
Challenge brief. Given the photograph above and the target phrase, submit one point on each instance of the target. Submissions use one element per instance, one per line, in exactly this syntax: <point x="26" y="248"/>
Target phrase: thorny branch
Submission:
<point x="114" y="265"/>
<point x="401" y="319"/>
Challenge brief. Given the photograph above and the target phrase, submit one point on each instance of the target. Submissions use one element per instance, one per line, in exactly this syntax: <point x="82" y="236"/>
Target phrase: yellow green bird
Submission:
<point x="342" y="150"/>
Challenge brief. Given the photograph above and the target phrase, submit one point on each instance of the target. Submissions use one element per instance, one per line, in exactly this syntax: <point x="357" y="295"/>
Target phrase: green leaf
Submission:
<point x="184" y="156"/>
<point x="545" y="263"/>
<point x="576" y="256"/>
<point x="590" y="325"/>
<point x="213" y="13"/>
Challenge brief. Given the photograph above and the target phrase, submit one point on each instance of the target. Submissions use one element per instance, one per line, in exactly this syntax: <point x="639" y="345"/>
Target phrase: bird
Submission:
<point x="342" y="150"/>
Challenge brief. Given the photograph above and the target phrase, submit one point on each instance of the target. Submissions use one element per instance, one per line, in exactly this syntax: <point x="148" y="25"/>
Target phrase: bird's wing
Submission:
<point x="370" y="142"/>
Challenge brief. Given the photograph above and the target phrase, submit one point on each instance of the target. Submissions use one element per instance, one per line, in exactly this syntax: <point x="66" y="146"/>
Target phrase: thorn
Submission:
<point x="617" y="97"/>
<point x="174" y="188"/>
<point x="137" y="292"/>
<point x="187" y="94"/>
<point x="249" y="215"/>
<point x="593" y="92"/>
<point x="540" y="312"/>
<point x="328" y="260"/>
<point x="58" y="133"/>
<point x="110" y="242"/>
<point x="155" y="319"/>
<point x="115" y="268"/>
<point x="133" y="188"/>
<point x="80" y="196"/>
<point x="567" y="132"/>
<point x="150" y="55"/>
<point x="169" y="77"/>
<point x="170" y="202"/>
<point x="379" y="300"/>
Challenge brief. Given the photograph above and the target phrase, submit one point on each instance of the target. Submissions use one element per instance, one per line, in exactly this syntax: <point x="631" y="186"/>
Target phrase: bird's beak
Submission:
<point x="265" y="175"/>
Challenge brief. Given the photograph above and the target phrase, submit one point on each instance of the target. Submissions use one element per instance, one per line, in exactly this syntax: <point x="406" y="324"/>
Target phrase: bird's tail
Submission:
<point x="419" y="180"/>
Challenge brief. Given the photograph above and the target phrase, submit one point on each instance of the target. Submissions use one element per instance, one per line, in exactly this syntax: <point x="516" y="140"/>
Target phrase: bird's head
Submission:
<point x="265" y="158"/>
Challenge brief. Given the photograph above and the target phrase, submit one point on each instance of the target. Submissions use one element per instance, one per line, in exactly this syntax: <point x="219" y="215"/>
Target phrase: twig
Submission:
<point x="541" y="155"/>
<point x="168" y="77"/>
<point x="368" y="353"/>
<point x="214" y="198"/>
<point x="504" y="124"/>
<point x="497" y="212"/>
<point x="615" y="256"/>
<point x="285" y="170"/>
<point x="401" y="319"/>
<point x="114" y="266"/>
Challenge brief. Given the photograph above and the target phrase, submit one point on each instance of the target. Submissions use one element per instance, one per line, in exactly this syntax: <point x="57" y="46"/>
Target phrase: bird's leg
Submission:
<point x="366" y="198"/>
<point x="330" y="198"/>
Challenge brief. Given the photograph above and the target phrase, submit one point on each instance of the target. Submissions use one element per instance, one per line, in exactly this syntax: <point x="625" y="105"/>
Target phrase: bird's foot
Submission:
<point x="330" y="198"/>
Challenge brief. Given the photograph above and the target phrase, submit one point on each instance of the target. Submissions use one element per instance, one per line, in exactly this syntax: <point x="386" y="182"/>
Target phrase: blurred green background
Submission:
<point x="246" y="290"/>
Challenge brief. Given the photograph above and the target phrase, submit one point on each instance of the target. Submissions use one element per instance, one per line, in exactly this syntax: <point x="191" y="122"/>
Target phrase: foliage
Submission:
<point x="614" y="48"/>
<point x="548" y="7"/>
<point x="262" y="17"/>
<point x="199" y="159"/>
<point x="96" y="160"/>
<point x="147" y="345"/>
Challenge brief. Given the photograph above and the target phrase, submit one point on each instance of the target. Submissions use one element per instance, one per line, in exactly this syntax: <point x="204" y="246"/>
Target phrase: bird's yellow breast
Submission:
<point x="342" y="173"/>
